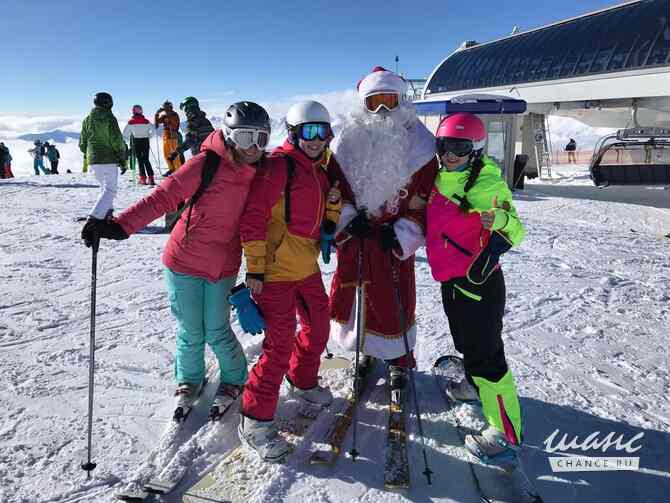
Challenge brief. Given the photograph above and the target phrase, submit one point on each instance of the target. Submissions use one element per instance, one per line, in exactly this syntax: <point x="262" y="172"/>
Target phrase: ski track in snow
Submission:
<point x="586" y="327"/>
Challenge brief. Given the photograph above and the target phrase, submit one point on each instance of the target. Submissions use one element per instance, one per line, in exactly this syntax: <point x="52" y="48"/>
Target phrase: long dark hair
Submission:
<point x="476" y="165"/>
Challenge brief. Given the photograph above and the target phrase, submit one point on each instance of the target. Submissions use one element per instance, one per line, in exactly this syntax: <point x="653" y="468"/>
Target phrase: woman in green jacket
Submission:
<point x="102" y="144"/>
<point x="470" y="222"/>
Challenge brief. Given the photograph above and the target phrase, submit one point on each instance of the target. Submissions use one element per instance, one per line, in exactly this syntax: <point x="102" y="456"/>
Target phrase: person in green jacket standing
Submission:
<point x="102" y="144"/>
<point x="471" y="222"/>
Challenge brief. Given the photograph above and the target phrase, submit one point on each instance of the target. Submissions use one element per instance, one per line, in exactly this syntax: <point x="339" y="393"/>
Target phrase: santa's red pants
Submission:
<point x="284" y="352"/>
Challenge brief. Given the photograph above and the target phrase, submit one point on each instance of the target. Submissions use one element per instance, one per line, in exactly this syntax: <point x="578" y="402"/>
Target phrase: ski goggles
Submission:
<point x="460" y="147"/>
<point x="375" y="102"/>
<point x="313" y="130"/>
<point x="246" y="138"/>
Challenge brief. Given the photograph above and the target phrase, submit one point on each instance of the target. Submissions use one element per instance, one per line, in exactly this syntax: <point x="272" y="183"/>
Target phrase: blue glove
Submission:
<point x="247" y="311"/>
<point x="327" y="238"/>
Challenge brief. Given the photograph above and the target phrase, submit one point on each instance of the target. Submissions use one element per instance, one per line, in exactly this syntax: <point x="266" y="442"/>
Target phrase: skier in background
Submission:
<point x="570" y="148"/>
<point x="102" y="144"/>
<point x="388" y="158"/>
<point x="140" y="129"/>
<point x="53" y="155"/>
<point x="471" y="222"/>
<point x="38" y="152"/>
<point x="203" y="254"/>
<point x="166" y="116"/>
<point x="5" y="162"/>
<point x="198" y="128"/>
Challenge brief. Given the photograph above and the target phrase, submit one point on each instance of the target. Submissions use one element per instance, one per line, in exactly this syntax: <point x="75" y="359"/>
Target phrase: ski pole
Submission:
<point x="401" y="311"/>
<point x="89" y="466"/>
<point x="158" y="152"/>
<point x="360" y="314"/>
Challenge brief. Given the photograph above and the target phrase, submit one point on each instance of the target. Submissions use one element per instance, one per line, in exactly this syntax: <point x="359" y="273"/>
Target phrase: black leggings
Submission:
<point x="142" y="154"/>
<point x="476" y="325"/>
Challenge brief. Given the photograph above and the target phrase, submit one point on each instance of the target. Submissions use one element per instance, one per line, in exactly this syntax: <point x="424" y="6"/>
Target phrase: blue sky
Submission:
<point x="61" y="53"/>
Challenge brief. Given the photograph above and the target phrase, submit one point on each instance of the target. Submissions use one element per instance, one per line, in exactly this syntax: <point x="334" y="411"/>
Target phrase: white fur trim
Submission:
<point x="410" y="236"/>
<point x="374" y="345"/>
<point x="422" y="144"/>
<point x="347" y="215"/>
<point x="382" y="81"/>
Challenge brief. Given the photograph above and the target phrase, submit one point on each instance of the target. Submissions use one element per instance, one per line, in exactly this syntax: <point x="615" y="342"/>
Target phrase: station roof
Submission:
<point x="628" y="37"/>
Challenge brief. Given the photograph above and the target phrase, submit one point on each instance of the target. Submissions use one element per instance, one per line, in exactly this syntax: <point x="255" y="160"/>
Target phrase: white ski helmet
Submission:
<point x="305" y="112"/>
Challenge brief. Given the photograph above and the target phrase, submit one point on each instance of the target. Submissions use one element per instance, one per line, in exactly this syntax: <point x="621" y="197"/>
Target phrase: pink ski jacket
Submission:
<point x="212" y="249"/>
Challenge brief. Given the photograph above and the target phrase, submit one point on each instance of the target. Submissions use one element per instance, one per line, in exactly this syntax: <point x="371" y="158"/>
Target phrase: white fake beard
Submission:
<point x="373" y="152"/>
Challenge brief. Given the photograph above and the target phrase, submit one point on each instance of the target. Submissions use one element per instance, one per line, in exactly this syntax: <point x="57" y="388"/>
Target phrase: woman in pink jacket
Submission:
<point x="203" y="254"/>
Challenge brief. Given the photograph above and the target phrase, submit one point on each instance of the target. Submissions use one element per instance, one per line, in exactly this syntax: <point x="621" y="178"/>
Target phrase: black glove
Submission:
<point x="95" y="229"/>
<point x="388" y="239"/>
<point x="173" y="156"/>
<point x="485" y="263"/>
<point x="360" y="226"/>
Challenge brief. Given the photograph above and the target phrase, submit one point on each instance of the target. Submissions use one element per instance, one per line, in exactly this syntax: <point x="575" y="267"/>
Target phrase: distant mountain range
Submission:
<point x="56" y="135"/>
<point x="59" y="136"/>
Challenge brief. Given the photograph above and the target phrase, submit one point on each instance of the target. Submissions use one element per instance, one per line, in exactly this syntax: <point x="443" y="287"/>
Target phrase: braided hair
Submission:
<point x="476" y="165"/>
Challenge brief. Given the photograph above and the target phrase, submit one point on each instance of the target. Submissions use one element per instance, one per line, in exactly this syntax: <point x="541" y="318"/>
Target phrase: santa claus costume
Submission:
<point x="387" y="157"/>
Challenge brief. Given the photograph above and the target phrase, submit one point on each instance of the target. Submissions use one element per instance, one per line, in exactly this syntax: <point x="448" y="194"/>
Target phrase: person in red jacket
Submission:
<point x="137" y="132"/>
<point x="203" y="254"/>
<point x="281" y="232"/>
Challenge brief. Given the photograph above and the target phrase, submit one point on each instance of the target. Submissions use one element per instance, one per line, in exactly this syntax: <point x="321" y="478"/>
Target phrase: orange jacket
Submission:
<point x="287" y="251"/>
<point x="170" y="121"/>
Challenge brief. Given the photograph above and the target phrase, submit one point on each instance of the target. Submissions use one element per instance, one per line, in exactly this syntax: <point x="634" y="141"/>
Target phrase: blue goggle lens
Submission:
<point x="309" y="132"/>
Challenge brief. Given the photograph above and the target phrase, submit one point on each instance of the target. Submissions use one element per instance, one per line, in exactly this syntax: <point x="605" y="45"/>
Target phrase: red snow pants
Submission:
<point x="284" y="352"/>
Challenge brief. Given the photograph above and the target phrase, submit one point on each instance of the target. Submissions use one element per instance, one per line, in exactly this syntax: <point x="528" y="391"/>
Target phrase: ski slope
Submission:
<point x="586" y="333"/>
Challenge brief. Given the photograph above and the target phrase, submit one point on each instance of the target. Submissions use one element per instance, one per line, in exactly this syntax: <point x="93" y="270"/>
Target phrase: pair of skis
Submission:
<point x="169" y="462"/>
<point x="507" y="483"/>
<point x="396" y="466"/>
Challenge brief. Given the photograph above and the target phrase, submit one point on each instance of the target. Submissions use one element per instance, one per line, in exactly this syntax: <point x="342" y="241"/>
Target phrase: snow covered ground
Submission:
<point x="586" y="333"/>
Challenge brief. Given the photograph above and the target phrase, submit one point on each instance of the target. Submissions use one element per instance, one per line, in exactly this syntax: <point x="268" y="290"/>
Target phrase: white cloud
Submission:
<point x="13" y="125"/>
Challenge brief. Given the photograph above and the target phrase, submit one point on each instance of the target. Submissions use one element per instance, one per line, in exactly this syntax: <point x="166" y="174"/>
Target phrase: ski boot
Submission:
<point x="313" y="400"/>
<point x="462" y="391"/>
<point x="142" y="180"/>
<point x="397" y="377"/>
<point x="492" y="447"/>
<point x="225" y="396"/>
<point x="263" y="439"/>
<point x="151" y="181"/>
<point x="187" y="394"/>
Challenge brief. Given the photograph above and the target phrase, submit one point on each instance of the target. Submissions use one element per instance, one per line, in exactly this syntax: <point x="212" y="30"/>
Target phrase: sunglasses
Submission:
<point x="246" y="138"/>
<point x="312" y="131"/>
<point x="375" y="102"/>
<point x="458" y="146"/>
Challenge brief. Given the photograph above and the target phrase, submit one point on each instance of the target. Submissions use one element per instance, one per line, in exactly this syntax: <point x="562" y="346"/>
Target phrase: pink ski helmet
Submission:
<point x="465" y="126"/>
<point x="137" y="110"/>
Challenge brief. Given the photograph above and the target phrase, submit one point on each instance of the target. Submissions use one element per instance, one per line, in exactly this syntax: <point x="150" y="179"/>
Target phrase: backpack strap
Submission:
<point x="212" y="160"/>
<point x="290" y="174"/>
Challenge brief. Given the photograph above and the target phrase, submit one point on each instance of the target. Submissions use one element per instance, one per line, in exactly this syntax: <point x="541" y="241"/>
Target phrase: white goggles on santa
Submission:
<point x="382" y="100"/>
<point x="246" y="138"/>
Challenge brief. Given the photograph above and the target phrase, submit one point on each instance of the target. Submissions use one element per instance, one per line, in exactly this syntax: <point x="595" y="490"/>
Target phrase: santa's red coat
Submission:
<point x="382" y="313"/>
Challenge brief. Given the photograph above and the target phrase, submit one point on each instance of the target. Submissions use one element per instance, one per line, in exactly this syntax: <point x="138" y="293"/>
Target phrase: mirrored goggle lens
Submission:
<point x="375" y="102"/>
<point x="457" y="146"/>
<point x="309" y="132"/>
<point x="245" y="138"/>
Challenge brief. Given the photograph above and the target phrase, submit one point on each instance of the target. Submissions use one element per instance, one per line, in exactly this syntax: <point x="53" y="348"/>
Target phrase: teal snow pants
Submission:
<point x="202" y="312"/>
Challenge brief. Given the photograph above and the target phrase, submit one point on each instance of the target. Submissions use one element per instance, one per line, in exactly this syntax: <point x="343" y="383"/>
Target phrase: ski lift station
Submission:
<point x="609" y="68"/>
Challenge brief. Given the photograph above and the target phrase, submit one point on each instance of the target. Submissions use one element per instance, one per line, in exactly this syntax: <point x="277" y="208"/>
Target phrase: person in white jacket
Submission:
<point x="137" y="132"/>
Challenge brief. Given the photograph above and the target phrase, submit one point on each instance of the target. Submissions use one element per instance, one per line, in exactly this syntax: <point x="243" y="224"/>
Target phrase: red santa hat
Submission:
<point x="381" y="80"/>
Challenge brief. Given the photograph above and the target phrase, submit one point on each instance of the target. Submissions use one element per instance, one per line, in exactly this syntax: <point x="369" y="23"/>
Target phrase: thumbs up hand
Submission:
<point x="496" y="218"/>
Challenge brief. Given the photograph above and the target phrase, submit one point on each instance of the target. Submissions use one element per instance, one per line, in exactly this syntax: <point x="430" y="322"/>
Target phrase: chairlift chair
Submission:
<point x="634" y="156"/>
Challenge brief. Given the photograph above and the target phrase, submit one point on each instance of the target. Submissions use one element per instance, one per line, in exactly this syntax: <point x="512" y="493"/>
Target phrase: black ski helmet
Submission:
<point x="103" y="100"/>
<point x="247" y="114"/>
<point x="189" y="101"/>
